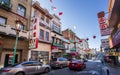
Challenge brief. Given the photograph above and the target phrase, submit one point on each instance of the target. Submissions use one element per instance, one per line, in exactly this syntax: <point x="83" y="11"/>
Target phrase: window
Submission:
<point x="3" y="20"/>
<point x="47" y="21"/>
<point x="35" y="13"/>
<point x="7" y="1"/>
<point x="22" y="27"/>
<point x="27" y="64"/>
<point x="47" y="36"/>
<point x="42" y="18"/>
<point x="21" y="10"/>
<point x="41" y="34"/>
<point x="61" y="59"/>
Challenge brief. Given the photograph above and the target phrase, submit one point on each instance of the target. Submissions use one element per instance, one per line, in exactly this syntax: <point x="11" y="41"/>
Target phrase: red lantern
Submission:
<point x="94" y="37"/>
<point x="80" y="41"/>
<point x="87" y="39"/>
<point x="74" y="42"/>
<point x="68" y="42"/>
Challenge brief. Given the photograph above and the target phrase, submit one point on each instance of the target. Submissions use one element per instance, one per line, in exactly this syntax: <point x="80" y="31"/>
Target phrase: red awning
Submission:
<point x="54" y="47"/>
<point x="74" y="53"/>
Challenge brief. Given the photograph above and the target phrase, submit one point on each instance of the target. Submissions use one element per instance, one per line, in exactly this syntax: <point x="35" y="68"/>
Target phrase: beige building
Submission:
<point x="10" y="11"/>
<point x="58" y="43"/>
<point x="41" y="30"/>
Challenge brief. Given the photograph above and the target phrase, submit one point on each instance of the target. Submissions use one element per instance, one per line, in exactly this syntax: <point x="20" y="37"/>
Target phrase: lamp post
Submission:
<point x="17" y="29"/>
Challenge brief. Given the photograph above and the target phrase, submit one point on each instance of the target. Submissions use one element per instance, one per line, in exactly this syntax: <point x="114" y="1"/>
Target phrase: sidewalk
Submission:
<point x="113" y="70"/>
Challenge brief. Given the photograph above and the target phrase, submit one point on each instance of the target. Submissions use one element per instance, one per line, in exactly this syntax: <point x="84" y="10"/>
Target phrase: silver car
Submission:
<point x="59" y="62"/>
<point x="25" y="68"/>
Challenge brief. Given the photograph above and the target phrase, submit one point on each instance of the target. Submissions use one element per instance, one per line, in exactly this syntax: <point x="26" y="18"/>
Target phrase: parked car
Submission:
<point x="25" y="68"/>
<point x="59" y="62"/>
<point x="77" y="65"/>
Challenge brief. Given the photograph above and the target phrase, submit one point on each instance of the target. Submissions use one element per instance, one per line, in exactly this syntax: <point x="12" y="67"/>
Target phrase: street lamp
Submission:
<point x="17" y="29"/>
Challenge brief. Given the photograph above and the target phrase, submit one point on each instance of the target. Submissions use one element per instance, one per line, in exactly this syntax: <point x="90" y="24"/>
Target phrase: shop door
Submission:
<point x="8" y="59"/>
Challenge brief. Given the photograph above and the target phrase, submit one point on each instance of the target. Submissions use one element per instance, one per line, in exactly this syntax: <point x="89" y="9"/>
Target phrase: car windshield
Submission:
<point x="54" y="59"/>
<point x="13" y="65"/>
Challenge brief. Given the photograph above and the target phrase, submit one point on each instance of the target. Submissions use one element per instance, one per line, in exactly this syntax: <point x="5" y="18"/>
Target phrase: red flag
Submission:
<point x="60" y="13"/>
<point x="51" y="1"/>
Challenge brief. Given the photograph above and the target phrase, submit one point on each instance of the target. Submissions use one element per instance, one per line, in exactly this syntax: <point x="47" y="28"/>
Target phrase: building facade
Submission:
<point x="84" y="48"/>
<point x="58" y="43"/>
<point x="10" y="11"/>
<point x="114" y="24"/>
<point x="40" y="30"/>
<point x="70" y="35"/>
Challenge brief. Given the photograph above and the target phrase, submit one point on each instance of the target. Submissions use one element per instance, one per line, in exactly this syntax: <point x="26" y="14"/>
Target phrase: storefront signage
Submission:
<point x="54" y="48"/>
<point x="33" y="42"/>
<point x="104" y="29"/>
<point x="113" y="53"/>
<point x="105" y="43"/>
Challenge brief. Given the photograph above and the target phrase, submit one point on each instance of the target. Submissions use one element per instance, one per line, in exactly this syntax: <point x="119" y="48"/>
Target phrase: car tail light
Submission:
<point x="56" y="62"/>
<point x="5" y="70"/>
<point x="79" y="64"/>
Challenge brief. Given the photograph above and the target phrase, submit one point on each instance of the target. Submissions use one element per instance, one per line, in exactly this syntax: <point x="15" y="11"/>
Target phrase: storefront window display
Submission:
<point x="40" y="55"/>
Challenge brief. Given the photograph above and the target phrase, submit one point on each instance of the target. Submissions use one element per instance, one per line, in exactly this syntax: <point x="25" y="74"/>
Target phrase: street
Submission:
<point x="92" y="68"/>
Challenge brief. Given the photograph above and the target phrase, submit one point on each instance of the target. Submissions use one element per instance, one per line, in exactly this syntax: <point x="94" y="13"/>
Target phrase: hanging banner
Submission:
<point x="54" y="49"/>
<point x="33" y="42"/>
<point x="105" y="43"/>
<point x="104" y="29"/>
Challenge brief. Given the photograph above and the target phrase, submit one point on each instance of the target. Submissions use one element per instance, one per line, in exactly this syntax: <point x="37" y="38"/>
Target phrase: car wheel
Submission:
<point x="61" y="66"/>
<point x="20" y="73"/>
<point x="47" y="70"/>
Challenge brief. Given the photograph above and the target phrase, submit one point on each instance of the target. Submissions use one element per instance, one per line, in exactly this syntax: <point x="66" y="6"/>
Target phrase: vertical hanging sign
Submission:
<point x="103" y="25"/>
<point x="33" y="42"/>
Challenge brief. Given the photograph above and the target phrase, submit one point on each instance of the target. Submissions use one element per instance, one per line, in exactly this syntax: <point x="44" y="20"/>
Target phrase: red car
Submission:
<point x="77" y="65"/>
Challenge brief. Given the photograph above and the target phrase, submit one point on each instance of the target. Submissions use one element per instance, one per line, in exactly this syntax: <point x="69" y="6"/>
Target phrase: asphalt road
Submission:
<point x="92" y="68"/>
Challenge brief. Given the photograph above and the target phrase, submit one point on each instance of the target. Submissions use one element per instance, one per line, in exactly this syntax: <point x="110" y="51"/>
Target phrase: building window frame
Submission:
<point x="42" y="18"/>
<point x="21" y="10"/>
<point x="47" y="36"/>
<point x="6" y="1"/>
<point x="41" y="34"/>
<point x="22" y="27"/>
<point x="47" y="21"/>
<point x="3" y="18"/>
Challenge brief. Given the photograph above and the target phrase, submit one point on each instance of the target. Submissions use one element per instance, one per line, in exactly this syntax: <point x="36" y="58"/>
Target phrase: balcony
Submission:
<point x="60" y="46"/>
<point x="7" y="30"/>
<point x="4" y="5"/>
<point x="56" y="30"/>
<point x="45" y="25"/>
<point x="72" y="41"/>
<point x="73" y="49"/>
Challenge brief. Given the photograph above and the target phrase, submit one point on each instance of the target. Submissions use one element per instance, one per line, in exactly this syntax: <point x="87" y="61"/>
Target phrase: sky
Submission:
<point x="80" y="16"/>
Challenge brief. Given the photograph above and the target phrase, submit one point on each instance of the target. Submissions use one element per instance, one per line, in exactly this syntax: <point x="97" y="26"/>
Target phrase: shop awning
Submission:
<point x="74" y="53"/>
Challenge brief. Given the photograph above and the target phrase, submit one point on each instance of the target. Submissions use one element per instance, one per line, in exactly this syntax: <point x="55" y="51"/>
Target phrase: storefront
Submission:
<point x="7" y="49"/>
<point x="115" y="44"/>
<point x="57" y="51"/>
<point x="42" y="52"/>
